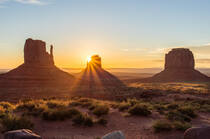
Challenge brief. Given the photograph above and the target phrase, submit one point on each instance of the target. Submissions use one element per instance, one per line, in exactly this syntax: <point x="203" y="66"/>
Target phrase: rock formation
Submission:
<point x="35" y="53"/>
<point x="179" y="67"/>
<point x="95" y="61"/>
<point x="38" y="68"/>
<point x="179" y="58"/>
<point x="95" y="73"/>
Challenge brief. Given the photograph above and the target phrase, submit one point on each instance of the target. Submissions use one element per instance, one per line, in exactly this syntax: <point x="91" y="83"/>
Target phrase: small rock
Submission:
<point x="114" y="135"/>
<point x="197" y="133"/>
<point x="21" y="134"/>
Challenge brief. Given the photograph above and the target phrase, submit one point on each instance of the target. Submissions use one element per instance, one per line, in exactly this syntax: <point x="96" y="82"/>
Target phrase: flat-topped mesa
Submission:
<point x="95" y="61"/>
<point x="35" y="53"/>
<point x="179" y="58"/>
<point x="179" y="67"/>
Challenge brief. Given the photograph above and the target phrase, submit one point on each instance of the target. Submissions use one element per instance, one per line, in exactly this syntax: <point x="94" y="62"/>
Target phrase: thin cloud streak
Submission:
<point x="30" y="2"/>
<point x="34" y="2"/>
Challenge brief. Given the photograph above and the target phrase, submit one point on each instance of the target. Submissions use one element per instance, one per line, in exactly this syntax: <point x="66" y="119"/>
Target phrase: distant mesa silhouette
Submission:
<point x="179" y="67"/>
<point x="94" y="74"/>
<point x="38" y="68"/>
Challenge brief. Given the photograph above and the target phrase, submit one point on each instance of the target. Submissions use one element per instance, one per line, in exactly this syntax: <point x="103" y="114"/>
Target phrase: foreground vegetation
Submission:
<point x="175" y="115"/>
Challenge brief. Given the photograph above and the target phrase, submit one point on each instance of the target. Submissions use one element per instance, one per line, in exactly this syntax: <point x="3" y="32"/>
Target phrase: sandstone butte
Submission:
<point x="37" y="70"/>
<point x="179" y="67"/>
<point x="94" y="74"/>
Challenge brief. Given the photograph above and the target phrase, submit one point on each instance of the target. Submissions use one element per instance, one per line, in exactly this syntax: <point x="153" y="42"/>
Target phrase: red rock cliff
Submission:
<point x="35" y="53"/>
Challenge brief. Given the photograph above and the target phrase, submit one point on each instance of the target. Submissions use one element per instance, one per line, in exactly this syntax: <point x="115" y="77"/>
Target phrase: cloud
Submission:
<point x="203" y="61"/>
<point x="35" y="2"/>
<point x="39" y="2"/>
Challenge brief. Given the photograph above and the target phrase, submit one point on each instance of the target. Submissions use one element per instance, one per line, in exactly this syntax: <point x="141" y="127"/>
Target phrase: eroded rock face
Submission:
<point x="37" y="70"/>
<point x="179" y="67"/>
<point x="35" y="53"/>
<point x="179" y="58"/>
<point x="95" y="61"/>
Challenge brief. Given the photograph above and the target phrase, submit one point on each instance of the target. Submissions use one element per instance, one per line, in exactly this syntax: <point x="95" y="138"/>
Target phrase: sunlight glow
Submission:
<point x="89" y="59"/>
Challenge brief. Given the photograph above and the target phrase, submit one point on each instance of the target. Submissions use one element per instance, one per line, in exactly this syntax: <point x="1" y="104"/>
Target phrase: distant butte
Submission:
<point x="38" y="68"/>
<point x="95" y="75"/>
<point x="179" y="67"/>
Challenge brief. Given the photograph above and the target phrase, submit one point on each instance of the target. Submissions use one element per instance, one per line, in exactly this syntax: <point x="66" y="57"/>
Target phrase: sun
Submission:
<point x="89" y="59"/>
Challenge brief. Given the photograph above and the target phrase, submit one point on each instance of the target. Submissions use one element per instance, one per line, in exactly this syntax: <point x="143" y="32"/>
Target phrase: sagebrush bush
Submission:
<point x="205" y="108"/>
<point x="102" y="121"/>
<point x="88" y="121"/>
<point x="81" y="119"/>
<point x="177" y="116"/>
<point x="123" y="106"/>
<point x="32" y="108"/>
<point x="11" y="122"/>
<point x="162" y="125"/>
<point x="182" y="126"/>
<point x="160" y="108"/>
<point x="74" y="103"/>
<point x="60" y="114"/>
<point x="139" y="109"/>
<point x="187" y="110"/>
<point x="29" y="105"/>
<point x="172" y="106"/>
<point x="100" y="110"/>
<point x="6" y="105"/>
<point x="78" y="119"/>
<point x="55" y="104"/>
<point x="133" y="102"/>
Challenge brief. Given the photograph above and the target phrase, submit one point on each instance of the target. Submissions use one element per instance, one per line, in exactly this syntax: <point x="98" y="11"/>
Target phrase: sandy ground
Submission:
<point x="132" y="126"/>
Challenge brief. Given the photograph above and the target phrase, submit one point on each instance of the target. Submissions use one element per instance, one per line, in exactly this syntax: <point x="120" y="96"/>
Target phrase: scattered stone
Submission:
<point x="197" y="133"/>
<point x="21" y="134"/>
<point x="114" y="135"/>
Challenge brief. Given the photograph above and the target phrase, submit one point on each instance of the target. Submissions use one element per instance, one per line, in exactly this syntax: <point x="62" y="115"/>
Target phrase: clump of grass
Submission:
<point x="160" y="108"/>
<point x="81" y="119"/>
<point x="114" y="105"/>
<point x="102" y="121"/>
<point x="162" y="125"/>
<point x="32" y="108"/>
<point x="11" y="122"/>
<point x="172" y="106"/>
<point x="205" y="108"/>
<point x="74" y="103"/>
<point x="59" y="114"/>
<point x="3" y="112"/>
<point x="187" y="110"/>
<point x="133" y="102"/>
<point x="55" y="104"/>
<point x="28" y="105"/>
<point x="100" y="110"/>
<point x="177" y="116"/>
<point x="88" y="121"/>
<point x="123" y="106"/>
<point x="139" y="109"/>
<point x="6" y="105"/>
<point x="182" y="126"/>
